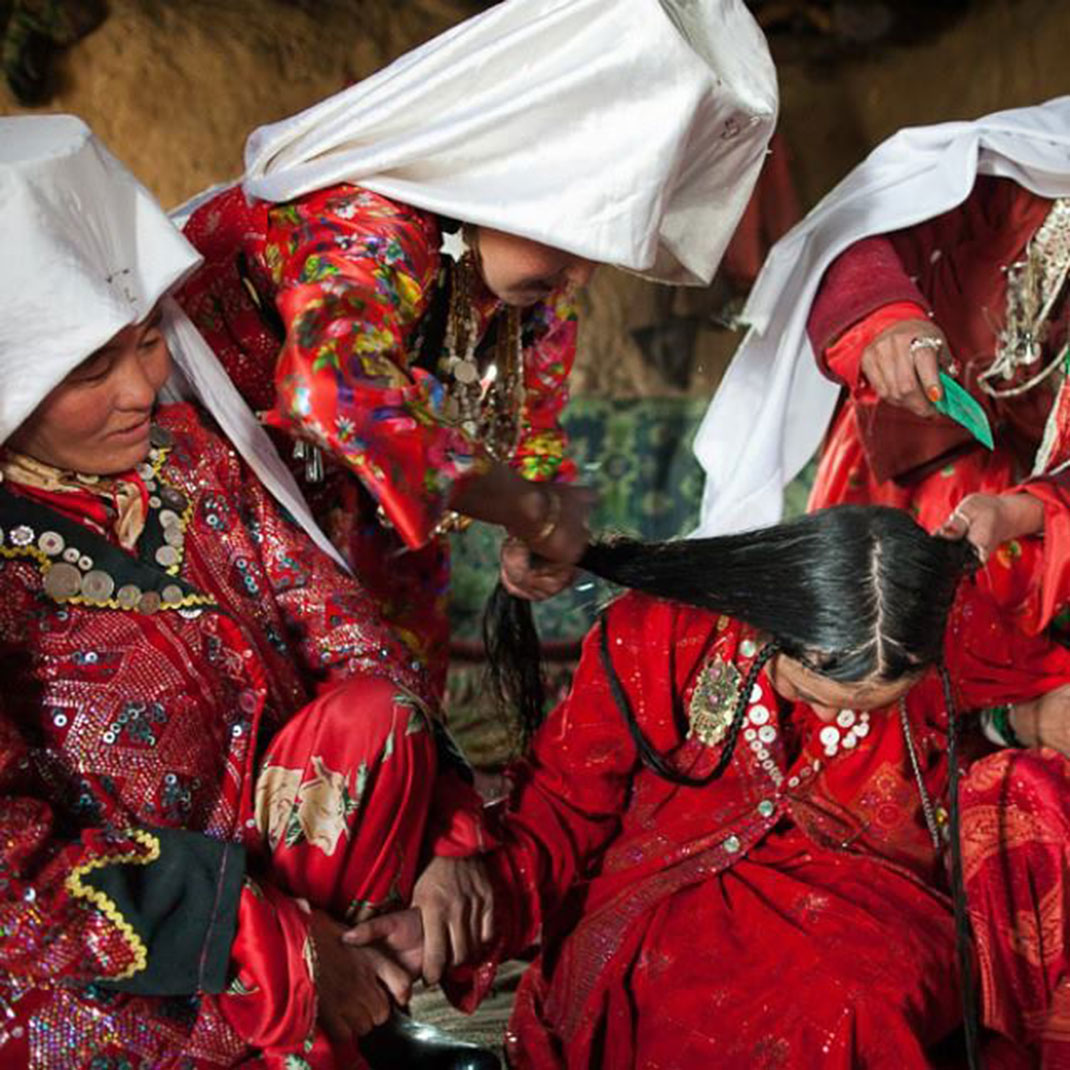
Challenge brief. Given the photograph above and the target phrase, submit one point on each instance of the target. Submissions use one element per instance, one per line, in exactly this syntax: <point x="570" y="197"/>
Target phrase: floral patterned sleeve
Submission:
<point x="549" y="350"/>
<point x="354" y="274"/>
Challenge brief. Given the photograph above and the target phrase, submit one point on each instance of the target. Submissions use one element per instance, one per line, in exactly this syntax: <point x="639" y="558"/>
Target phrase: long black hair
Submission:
<point x="854" y="593"/>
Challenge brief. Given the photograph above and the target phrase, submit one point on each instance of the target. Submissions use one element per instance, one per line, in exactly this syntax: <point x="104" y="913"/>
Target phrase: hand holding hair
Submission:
<point x="551" y="518"/>
<point x="529" y="576"/>
<point x="990" y="520"/>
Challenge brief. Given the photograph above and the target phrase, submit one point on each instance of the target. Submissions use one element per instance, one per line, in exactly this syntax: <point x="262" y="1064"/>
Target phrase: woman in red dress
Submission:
<point x="392" y="286"/>
<point x="214" y="753"/>
<point x="979" y="291"/>
<point x="731" y="841"/>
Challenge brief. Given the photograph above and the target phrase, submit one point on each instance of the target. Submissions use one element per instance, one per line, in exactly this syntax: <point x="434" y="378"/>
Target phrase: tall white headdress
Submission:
<point x="630" y="132"/>
<point x="87" y="252"/>
<point x="773" y="406"/>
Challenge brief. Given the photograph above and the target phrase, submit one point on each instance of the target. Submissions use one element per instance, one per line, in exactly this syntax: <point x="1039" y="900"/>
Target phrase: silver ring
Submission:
<point x="927" y="341"/>
<point x="961" y="516"/>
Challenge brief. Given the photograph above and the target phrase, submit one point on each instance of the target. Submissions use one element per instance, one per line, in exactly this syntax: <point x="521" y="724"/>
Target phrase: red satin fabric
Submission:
<point x="322" y="336"/>
<point x="342" y="797"/>
<point x="758" y="922"/>
<point x="743" y="924"/>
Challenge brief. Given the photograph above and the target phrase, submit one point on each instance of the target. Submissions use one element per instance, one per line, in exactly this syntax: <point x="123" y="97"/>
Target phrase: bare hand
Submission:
<point x="399" y="933"/>
<point x="456" y="903"/>
<point x="1044" y="722"/>
<point x="900" y="376"/>
<point x="354" y="983"/>
<point x="528" y="576"/>
<point x="989" y="520"/>
<point x="554" y="521"/>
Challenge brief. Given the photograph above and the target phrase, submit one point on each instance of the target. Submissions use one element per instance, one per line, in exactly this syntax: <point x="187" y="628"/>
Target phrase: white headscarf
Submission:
<point x="629" y="132"/>
<point x="773" y="406"/>
<point x="87" y="252"/>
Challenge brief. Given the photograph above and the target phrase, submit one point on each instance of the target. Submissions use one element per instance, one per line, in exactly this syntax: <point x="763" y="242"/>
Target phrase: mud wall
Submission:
<point x="174" y="86"/>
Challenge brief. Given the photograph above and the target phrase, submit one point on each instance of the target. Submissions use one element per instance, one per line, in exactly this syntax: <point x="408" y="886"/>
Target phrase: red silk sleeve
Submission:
<point x="866" y="277"/>
<point x="271" y="1001"/>
<point x="565" y="806"/>
<point x="354" y="273"/>
<point x="1049" y="585"/>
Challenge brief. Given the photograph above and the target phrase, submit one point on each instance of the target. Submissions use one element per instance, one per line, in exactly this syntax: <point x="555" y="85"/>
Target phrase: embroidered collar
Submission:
<point x="81" y="567"/>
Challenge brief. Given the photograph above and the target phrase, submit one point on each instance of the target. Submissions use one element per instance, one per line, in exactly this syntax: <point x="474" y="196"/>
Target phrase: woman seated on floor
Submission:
<point x="729" y="842"/>
<point x="213" y="750"/>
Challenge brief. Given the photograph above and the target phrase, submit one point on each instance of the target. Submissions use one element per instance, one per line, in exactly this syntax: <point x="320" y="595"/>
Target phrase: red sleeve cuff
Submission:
<point x="842" y="359"/>
<point x="1051" y="579"/>
<point x="865" y="277"/>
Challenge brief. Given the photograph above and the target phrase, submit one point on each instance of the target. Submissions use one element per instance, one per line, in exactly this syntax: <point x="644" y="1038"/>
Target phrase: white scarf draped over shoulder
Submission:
<point x="773" y="406"/>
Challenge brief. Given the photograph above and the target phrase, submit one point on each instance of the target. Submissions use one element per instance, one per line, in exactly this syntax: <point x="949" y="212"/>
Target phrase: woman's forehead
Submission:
<point x="871" y="692"/>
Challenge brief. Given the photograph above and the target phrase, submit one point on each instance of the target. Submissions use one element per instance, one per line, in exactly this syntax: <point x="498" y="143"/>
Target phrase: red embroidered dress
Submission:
<point x="147" y="893"/>
<point x="328" y="313"/>
<point x="952" y="268"/>
<point x="792" y="913"/>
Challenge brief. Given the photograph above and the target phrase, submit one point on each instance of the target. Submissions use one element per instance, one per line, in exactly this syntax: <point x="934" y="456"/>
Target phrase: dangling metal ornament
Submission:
<point x="1034" y="284"/>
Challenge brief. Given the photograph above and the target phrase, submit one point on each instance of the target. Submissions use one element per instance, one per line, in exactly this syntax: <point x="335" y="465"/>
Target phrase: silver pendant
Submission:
<point x="167" y="556"/>
<point x="97" y="586"/>
<point x="149" y="602"/>
<point x="128" y="596"/>
<point x="465" y="372"/>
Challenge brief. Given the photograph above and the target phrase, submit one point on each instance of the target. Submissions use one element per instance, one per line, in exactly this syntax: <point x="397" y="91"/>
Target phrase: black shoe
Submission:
<point x="401" y="1042"/>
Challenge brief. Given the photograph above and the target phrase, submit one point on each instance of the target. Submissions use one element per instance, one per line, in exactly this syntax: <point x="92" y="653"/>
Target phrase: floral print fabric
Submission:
<point x="351" y="276"/>
<point x="317" y="309"/>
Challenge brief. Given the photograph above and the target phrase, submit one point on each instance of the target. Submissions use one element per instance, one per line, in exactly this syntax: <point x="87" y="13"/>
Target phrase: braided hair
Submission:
<point x="656" y="762"/>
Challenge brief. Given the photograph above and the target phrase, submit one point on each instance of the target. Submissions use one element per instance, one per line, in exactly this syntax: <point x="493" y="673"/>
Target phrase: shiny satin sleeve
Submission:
<point x="354" y="274"/>
<point x="564" y="809"/>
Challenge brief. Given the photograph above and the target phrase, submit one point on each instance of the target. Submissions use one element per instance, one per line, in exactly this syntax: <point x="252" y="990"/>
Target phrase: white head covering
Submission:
<point x="773" y="406"/>
<point x="629" y="132"/>
<point x="88" y="251"/>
